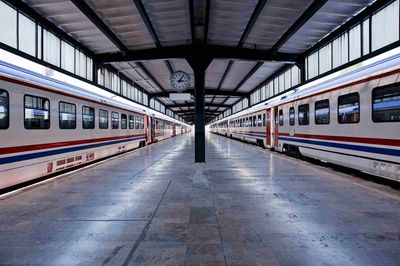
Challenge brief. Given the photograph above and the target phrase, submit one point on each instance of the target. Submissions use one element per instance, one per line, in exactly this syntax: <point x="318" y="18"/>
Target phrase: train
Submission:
<point x="351" y="119"/>
<point x="48" y="126"/>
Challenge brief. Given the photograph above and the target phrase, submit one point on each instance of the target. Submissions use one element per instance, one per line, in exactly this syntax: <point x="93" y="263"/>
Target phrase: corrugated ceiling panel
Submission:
<point x="264" y="72"/>
<point x="238" y="71"/>
<point x="125" y="21"/>
<point x="275" y="19"/>
<point x="333" y="14"/>
<point x="228" y="19"/>
<point x="66" y="16"/>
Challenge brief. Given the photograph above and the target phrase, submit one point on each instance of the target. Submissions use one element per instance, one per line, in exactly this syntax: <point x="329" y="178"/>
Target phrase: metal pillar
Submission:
<point x="199" y="65"/>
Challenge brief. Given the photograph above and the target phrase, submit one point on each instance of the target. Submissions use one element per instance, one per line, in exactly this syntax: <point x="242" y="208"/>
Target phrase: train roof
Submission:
<point x="375" y="68"/>
<point x="16" y="72"/>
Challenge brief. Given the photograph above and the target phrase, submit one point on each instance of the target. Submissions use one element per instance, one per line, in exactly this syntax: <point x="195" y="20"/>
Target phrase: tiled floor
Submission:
<point x="245" y="206"/>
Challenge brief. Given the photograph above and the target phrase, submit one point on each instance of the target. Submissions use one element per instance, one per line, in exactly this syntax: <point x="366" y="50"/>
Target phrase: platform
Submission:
<point x="245" y="206"/>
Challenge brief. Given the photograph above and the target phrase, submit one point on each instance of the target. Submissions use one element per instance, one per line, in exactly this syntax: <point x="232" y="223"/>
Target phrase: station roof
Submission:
<point x="147" y="40"/>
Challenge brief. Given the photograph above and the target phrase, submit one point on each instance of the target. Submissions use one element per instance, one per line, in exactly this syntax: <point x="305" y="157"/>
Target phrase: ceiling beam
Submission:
<point x="207" y="20"/>
<point x="192" y="104"/>
<point x="146" y="19"/>
<point x="192" y="26"/>
<point x="248" y="76"/>
<point x="207" y="92"/>
<point x="185" y="51"/>
<point x="256" y="13"/>
<point x="309" y="13"/>
<point x="150" y="76"/>
<point x="92" y="16"/>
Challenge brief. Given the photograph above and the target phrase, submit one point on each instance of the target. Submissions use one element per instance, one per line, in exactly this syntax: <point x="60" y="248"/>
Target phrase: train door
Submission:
<point x="146" y="128"/>
<point x="275" y="125"/>
<point x="153" y="130"/>
<point x="268" y="127"/>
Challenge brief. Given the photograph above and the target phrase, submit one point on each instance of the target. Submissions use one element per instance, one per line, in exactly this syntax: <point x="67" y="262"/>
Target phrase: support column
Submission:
<point x="199" y="65"/>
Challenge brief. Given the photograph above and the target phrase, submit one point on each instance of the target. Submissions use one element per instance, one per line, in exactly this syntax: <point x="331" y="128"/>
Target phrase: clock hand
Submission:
<point x="180" y="80"/>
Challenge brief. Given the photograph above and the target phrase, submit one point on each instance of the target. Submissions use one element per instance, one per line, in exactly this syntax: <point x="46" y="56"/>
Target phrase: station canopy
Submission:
<point x="249" y="40"/>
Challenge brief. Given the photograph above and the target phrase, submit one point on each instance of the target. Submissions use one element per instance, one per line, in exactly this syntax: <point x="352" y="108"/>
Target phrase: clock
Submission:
<point x="180" y="81"/>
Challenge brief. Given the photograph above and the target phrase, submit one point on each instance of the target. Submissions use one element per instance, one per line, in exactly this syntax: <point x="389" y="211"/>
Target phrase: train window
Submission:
<point x="141" y="123"/>
<point x="292" y="116"/>
<point x="304" y="114"/>
<point x="4" y="106"/>
<point x="87" y="117"/>
<point x="131" y="122"/>
<point x="254" y="121"/>
<point x="124" y="121"/>
<point x="37" y="112"/>
<point x="137" y="122"/>
<point x="263" y="123"/>
<point x="281" y="117"/>
<point x="259" y="121"/>
<point x="114" y="120"/>
<point x="349" y="108"/>
<point x="322" y="112"/>
<point x="247" y="121"/>
<point x="103" y="119"/>
<point x="67" y="113"/>
<point x="386" y="104"/>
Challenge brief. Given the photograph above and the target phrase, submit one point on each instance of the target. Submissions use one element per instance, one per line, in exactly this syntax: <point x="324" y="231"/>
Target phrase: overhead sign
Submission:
<point x="179" y="96"/>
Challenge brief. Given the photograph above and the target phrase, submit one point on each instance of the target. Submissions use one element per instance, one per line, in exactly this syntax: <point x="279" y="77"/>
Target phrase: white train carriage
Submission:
<point x="351" y="120"/>
<point x="47" y="126"/>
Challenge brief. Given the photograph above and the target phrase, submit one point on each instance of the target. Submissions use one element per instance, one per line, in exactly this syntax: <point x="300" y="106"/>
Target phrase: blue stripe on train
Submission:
<point x="29" y="156"/>
<point x="384" y="151"/>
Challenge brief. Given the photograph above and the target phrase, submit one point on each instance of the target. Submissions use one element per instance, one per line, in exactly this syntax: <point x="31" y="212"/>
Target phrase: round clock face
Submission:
<point x="180" y="81"/>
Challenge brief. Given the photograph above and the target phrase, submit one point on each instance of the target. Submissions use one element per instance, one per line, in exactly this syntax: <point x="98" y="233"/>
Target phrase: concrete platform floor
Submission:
<point x="245" y="206"/>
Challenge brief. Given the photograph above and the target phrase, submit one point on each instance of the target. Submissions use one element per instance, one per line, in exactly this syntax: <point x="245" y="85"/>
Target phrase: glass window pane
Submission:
<point x="291" y="116"/>
<point x="304" y="114"/>
<point x="385" y="26"/>
<point x="131" y="122"/>
<point x="67" y="57"/>
<point x="124" y="121"/>
<point x="4" y="110"/>
<point x="103" y="119"/>
<point x="365" y="36"/>
<point x="322" y="112"/>
<point x="67" y="113"/>
<point x="281" y="117"/>
<point x="355" y="42"/>
<point x="27" y="35"/>
<point x="39" y="42"/>
<point x="8" y="22"/>
<point x="349" y="108"/>
<point x="87" y="117"/>
<point x="37" y="112"/>
<point x="325" y="58"/>
<point x="51" y="48"/>
<point x="115" y="120"/>
<point x="386" y="104"/>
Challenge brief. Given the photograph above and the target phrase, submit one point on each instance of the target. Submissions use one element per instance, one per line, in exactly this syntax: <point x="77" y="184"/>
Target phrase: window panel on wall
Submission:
<point x="325" y="58"/>
<point x="51" y="48"/>
<point x="288" y="80"/>
<point x="67" y="57"/>
<point x="340" y="50"/>
<point x="295" y="75"/>
<point x="355" y="42"/>
<point x="27" y="35"/>
<point x="365" y="36"/>
<point x="312" y="62"/>
<point x="80" y="61"/>
<point x="100" y="77"/>
<point x="89" y="68"/>
<point x="39" y="42"/>
<point x="8" y="22"/>
<point x="281" y="83"/>
<point x="385" y="26"/>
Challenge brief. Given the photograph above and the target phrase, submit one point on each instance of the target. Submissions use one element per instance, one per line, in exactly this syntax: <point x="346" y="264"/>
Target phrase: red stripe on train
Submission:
<point x="43" y="146"/>
<point x="388" y="142"/>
